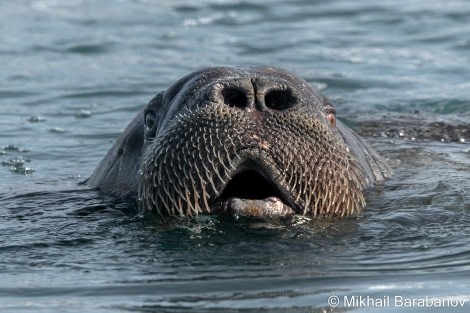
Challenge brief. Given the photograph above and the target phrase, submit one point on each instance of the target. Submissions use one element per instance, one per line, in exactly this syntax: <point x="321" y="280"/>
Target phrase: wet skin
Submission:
<point x="254" y="141"/>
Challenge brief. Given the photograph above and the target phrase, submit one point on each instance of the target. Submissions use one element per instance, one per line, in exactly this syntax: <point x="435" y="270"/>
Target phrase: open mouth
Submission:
<point x="251" y="192"/>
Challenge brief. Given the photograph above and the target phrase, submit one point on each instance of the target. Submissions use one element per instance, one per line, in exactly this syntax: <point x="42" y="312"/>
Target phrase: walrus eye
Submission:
<point x="331" y="115"/>
<point x="149" y="119"/>
<point x="150" y="124"/>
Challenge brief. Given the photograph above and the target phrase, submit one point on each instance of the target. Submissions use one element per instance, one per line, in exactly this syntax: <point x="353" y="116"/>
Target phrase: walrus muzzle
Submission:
<point x="249" y="141"/>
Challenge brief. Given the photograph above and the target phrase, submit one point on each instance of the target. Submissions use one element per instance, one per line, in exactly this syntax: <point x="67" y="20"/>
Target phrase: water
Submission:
<point x="74" y="73"/>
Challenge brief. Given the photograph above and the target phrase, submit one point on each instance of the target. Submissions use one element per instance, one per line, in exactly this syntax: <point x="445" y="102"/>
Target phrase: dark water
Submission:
<point x="74" y="73"/>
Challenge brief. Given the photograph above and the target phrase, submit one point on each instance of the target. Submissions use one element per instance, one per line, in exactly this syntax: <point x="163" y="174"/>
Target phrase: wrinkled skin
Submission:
<point x="254" y="141"/>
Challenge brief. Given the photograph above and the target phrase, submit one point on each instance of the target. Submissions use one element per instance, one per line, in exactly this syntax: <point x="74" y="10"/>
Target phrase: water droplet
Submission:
<point x="83" y="114"/>
<point x="36" y="119"/>
<point x="57" y="130"/>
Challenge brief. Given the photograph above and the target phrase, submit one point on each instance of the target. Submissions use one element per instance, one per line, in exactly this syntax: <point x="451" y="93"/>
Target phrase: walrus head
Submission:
<point x="252" y="141"/>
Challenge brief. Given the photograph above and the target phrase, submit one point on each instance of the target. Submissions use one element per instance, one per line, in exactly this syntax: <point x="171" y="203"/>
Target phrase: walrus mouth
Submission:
<point x="254" y="192"/>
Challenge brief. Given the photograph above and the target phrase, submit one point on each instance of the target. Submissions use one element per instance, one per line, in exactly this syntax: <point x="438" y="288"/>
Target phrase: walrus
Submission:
<point x="254" y="141"/>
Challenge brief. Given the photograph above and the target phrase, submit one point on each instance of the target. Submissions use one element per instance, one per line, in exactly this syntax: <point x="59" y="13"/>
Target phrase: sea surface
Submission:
<point x="74" y="73"/>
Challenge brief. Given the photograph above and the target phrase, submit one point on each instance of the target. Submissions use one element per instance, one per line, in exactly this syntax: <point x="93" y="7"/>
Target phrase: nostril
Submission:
<point x="279" y="99"/>
<point x="234" y="97"/>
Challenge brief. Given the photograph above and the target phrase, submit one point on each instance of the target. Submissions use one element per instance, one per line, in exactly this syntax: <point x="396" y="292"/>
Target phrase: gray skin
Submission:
<point x="252" y="141"/>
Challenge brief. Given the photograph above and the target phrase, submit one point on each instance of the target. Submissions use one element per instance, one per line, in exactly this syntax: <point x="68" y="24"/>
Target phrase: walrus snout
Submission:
<point x="266" y="118"/>
<point x="256" y="141"/>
